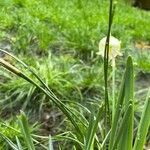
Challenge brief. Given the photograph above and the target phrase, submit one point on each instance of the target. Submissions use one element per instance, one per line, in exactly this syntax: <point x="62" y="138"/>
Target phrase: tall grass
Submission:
<point x="123" y="119"/>
<point x="58" y="25"/>
<point x="97" y="131"/>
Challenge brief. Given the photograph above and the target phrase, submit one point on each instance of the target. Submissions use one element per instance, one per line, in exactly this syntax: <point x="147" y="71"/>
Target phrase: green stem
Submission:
<point x="113" y="88"/>
<point x="106" y="58"/>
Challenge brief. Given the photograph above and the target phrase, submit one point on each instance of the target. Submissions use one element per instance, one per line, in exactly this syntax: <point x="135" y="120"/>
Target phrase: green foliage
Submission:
<point x="62" y="25"/>
<point x="69" y="78"/>
<point x="10" y="129"/>
<point x="119" y="137"/>
<point x="26" y="132"/>
<point x="58" y="33"/>
<point x="143" y="126"/>
<point x="142" y="60"/>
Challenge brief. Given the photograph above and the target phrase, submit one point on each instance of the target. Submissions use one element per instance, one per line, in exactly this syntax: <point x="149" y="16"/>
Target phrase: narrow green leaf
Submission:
<point x="92" y="128"/>
<point x="13" y="146"/>
<point x="127" y="83"/>
<point x="105" y="140"/>
<point x="50" y="145"/>
<point x="19" y="144"/>
<point x="26" y="131"/>
<point x="117" y="111"/>
<point x="89" y="137"/>
<point x="143" y="127"/>
<point x="127" y="138"/>
<point x="122" y="127"/>
<point x="68" y="136"/>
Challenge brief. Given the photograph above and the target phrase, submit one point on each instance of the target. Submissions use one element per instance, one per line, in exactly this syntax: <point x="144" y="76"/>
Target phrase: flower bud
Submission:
<point x="114" y="47"/>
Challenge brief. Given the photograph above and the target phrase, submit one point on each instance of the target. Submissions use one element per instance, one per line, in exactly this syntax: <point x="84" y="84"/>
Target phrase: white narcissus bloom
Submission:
<point x="114" y="47"/>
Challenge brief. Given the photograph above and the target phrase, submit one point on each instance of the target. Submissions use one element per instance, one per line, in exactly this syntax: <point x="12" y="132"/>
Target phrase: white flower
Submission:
<point x="114" y="47"/>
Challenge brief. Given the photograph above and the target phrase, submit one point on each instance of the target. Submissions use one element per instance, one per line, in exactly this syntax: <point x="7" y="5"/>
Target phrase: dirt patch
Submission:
<point x="144" y="46"/>
<point x="143" y="4"/>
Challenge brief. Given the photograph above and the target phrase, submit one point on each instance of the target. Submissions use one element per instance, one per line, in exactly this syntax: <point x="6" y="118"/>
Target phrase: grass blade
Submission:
<point x="117" y="112"/>
<point x="13" y="146"/>
<point x="143" y="127"/>
<point x="92" y="128"/>
<point x="127" y="138"/>
<point x="122" y="128"/>
<point x="50" y="145"/>
<point x="19" y="144"/>
<point x="119" y="104"/>
<point x="129" y="81"/>
<point x="25" y="131"/>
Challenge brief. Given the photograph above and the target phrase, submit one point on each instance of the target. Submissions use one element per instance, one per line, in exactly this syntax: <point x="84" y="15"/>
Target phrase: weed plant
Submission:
<point x="89" y="127"/>
<point x="69" y="78"/>
<point x="119" y="138"/>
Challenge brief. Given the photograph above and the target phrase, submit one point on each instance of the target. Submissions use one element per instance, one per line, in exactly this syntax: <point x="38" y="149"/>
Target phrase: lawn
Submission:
<point x="59" y="40"/>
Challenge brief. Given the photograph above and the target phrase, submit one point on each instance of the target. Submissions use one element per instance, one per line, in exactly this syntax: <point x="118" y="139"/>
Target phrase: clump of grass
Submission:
<point x="69" y="79"/>
<point x="96" y="131"/>
<point x="124" y="106"/>
<point x="142" y="61"/>
<point x="68" y="26"/>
